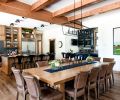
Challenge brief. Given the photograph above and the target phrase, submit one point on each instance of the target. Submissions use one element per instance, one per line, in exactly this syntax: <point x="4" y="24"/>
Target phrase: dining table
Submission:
<point x="60" y="77"/>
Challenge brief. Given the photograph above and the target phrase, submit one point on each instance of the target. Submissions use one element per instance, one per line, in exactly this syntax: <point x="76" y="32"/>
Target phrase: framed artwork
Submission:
<point x="116" y="41"/>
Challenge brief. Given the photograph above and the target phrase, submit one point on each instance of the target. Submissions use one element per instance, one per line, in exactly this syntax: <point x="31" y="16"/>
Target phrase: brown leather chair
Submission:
<point x="92" y="81"/>
<point x="41" y="63"/>
<point x="97" y="59"/>
<point x="79" y="86"/>
<point x="21" y="89"/>
<point x="101" y="77"/>
<point x="38" y="93"/>
<point x="108" y="59"/>
<point x="109" y="75"/>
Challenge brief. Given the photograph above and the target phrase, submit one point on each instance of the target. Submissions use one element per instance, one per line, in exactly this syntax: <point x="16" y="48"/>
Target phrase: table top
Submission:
<point x="61" y="76"/>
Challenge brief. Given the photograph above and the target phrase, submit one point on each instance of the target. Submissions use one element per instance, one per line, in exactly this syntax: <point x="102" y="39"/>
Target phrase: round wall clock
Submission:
<point x="60" y="44"/>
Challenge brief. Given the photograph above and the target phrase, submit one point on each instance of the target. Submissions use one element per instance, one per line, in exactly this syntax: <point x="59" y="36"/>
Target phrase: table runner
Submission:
<point x="50" y="70"/>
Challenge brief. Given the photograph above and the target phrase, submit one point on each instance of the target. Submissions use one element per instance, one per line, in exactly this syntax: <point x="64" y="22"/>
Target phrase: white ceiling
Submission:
<point x="63" y="3"/>
<point x="6" y="19"/>
<point x="60" y="4"/>
<point x="30" y="2"/>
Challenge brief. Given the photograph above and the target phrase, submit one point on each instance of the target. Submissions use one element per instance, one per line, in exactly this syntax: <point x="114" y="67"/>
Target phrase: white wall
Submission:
<point x="55" y="32"/>
<point x="105" y="23"/>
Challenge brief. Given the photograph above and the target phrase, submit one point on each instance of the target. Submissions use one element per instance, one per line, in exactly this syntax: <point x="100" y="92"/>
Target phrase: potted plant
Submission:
<point x="54" y="64"/>
<point x="89" y="59"/>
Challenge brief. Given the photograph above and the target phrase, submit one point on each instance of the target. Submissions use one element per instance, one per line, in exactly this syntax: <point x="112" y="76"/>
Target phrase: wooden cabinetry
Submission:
<point x="2" y="32"/>
<point x="11" y="37"/>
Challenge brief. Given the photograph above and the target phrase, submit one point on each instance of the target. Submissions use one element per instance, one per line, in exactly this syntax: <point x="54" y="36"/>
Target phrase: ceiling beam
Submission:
<point x="6" y="1"/>
<point x="96" y="11"/>
<point x="41" y="4"/>
<point x="21" y="9"/>
<point x="71" y="7"/>
<point x="73" y="25"/>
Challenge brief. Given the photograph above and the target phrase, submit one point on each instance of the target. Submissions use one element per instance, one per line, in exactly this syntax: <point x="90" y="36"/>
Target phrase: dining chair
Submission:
<point x="79" y="86"/>
<point x="38" y="93"/>
<point x="108" y="59"/>
<point x="109" y="75"/>
<point x="21" y="87"/>
<point x="97" y="58"/>
<point x="42" y="63"/>
<point x="92" y="81"/>
<point x="101" y="78"/>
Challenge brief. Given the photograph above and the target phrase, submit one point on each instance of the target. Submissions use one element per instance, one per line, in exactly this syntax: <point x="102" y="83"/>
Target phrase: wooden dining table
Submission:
<point x="59" y="78"/>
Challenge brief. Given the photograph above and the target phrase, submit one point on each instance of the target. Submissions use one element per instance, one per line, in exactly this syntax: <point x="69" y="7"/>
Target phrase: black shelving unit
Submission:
<point x="86" y="39"/>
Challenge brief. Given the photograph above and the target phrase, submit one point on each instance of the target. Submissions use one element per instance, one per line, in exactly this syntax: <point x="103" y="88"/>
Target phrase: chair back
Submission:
<point x="110" y="68"/>
<point x="32" y="85"/>
<point x="19" y="79"/>
<point x="41" y="63"/>
<point x="81" y="80"/>
<point x="108" y="59"/>
<point x="103" y="71"/>
<point x="96" y="58"/>
<point x="93" y="75"/>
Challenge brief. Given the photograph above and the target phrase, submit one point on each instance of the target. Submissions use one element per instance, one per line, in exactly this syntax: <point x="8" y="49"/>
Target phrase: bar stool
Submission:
<point x="19" y="62"/>
<point x="30" y="61"/>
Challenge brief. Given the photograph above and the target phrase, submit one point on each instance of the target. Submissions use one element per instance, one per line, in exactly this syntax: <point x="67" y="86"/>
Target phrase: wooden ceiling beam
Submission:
<point x="6" y="1"/>
<point x="42" y="4"/>
<point x="96" y="11"/>
<point x="71" y="7"/>
<point x="73" y="26"/>
<point x="22" y="9"/>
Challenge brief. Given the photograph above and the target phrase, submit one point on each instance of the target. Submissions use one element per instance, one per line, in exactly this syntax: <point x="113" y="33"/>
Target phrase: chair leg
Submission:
<point x="17" y="95"/>
<point x="95" y="93"/>
<point x="84" y="96"/>
<point x="98" y="91"/>
<point x="110" y="82"/>
<point x="24" y="96"/>
<point x="88" y="94"/>
<point x="104" y="87"/>
<point x="113" y="78"/>
<point x="106" y="84"/>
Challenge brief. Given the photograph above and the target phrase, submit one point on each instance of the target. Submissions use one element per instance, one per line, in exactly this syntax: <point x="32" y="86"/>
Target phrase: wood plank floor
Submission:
<point x="8" y="89"/>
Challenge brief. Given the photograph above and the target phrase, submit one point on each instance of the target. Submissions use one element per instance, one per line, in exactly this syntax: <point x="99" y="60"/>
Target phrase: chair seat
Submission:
<point x="92" y="85"/>
<point x="50" y="94"/>
<point x="71" y="92"/>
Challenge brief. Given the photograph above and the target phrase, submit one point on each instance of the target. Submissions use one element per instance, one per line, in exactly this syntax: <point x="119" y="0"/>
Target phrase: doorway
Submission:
<point x="52" y="49"/>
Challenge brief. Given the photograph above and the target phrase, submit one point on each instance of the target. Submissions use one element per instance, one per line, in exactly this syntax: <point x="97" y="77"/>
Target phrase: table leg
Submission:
<point x="62" y="89"/>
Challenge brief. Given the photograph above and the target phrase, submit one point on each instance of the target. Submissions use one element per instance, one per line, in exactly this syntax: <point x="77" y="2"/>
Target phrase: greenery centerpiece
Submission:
<point x="54" y="64"/>
<point x="89" y="59"/>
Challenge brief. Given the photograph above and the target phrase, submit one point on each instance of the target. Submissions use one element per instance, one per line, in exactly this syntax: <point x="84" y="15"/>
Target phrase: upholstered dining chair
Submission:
<point x="79" y="86"/>
<point x="92" y="81"/>
<point x="41" y="63"/>
<point x="21" y="87"/>
<point x="108" y="59"/>
<point x="38" y="93"/>
<point x="97" y="58"/>
<point x="101" y="77"/>
<point x="109" y="75"/>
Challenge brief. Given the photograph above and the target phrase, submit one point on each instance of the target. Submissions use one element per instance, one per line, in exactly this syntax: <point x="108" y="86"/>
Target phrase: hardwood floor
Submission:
<point x="8" y="89"/>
